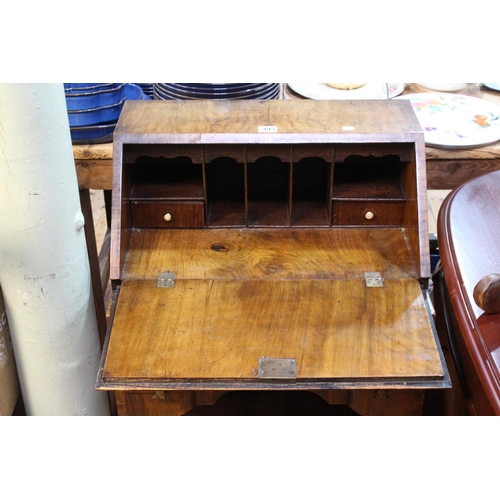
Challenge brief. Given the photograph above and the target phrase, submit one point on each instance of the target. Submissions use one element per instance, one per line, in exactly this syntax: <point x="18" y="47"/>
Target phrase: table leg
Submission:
<point x="95" y="273"/>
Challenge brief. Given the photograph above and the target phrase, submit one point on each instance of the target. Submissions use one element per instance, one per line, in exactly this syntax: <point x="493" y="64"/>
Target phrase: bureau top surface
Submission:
<point x="251" y="121"/>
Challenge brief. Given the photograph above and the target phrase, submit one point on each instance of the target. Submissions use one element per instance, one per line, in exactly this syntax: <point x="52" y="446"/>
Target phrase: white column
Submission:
<point x="44" y="268"/>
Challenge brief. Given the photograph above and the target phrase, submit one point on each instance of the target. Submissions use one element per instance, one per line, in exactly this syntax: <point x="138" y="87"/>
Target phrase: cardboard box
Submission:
<point x="9" y="382"/>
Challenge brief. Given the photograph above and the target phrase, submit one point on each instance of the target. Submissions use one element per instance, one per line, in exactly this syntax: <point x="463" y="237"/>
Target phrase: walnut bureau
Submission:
<point x="269" y="245"/>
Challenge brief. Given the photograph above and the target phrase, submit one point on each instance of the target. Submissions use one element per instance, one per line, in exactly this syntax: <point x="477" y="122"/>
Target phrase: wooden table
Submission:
<point x="469" y="315"/>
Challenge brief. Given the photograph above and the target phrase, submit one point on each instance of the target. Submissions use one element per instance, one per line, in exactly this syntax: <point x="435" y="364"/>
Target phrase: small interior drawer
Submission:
<point x="168" y="214"/>
<point x="368" y="212"/>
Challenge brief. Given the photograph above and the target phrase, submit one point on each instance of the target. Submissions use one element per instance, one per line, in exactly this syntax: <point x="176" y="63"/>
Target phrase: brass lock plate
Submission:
<point x="277" y="368"/>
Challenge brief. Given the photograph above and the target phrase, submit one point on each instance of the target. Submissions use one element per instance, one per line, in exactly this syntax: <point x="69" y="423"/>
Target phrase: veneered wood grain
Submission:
<point x="310" y="253"/>
<point x="235" y="126"/>
<point x="214" y="121"/>
<point x="218" y="329"/>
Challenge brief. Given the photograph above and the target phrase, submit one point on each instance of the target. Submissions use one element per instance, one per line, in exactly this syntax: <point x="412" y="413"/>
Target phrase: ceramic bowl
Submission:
<point x="95" y="98"/>
<point x="94" y="116"/>
<point x="101" y="132"/>
<point x="79" y="88"/>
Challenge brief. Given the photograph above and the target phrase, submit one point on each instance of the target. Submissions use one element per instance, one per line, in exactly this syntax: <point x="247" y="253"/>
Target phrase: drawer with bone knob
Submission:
<point x="168" y="214"/>
<point x="368" y="212"/>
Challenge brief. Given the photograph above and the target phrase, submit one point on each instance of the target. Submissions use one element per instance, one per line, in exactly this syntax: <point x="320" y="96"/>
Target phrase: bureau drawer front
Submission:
<point x="368" y="212"/>
<point x="161" y="214"/>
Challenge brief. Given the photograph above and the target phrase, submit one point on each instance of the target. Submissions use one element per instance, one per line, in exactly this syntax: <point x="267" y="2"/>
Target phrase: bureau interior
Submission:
<point x="280" y="186"/>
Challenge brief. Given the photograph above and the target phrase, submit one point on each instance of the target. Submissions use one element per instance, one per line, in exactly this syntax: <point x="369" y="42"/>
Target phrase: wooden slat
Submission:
<point x="93" y="151"/>
<point x="94" y="174"/>
<point x="449" y="174"/>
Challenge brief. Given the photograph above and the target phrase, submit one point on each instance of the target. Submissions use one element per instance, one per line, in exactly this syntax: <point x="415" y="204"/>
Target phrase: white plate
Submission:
<point x="444" y="87"/>
<point x="368" y="91"/>
<point x="493" y="86"/>
<point x="454" y="120"/>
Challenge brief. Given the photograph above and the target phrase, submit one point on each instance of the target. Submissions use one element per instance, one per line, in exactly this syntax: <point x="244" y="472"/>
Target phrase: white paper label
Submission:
<point x="268" y="128"/>
<point x="348" y="127"/>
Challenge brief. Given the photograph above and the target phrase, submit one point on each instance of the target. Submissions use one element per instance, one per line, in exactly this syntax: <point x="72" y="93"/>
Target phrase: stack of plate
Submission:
<point x="94" y="108"/>
<point x="147" y="88"/>
<point x="216" y="90"/>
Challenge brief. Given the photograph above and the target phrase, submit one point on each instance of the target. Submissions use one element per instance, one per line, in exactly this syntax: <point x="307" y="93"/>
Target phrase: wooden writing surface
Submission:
<point x="244" y="294"/>
<point x="218" y="329"/>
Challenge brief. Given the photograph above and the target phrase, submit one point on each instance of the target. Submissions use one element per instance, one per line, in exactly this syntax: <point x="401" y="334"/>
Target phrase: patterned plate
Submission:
<point x="455" y="120"/>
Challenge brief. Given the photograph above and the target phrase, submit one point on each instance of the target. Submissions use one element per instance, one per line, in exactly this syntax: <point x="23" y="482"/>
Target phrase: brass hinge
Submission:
<point x="166" y="280"/>
<point x="374" y="280"/>
<point x="277" y="368"/>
